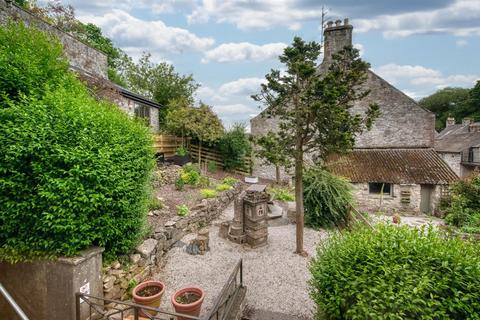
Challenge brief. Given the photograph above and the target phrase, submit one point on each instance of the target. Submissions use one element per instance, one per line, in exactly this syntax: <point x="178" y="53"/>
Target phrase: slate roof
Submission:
<point x="399" y="166"/>
<point x="456" y="138"/>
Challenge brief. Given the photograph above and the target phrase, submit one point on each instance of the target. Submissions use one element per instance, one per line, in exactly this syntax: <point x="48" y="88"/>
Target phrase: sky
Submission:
<point x="228" y="46"/>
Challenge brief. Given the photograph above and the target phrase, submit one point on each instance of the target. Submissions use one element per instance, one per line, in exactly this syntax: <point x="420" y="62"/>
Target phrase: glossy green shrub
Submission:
<point x="282" y="194"/>
<point x="327" y="198"/>
<point x="208" y="193"/>
<point x="393" y="272"/>
<point x="73" y="173"/>
<point x="464" y="209"/>
<point x="30" y="62"/>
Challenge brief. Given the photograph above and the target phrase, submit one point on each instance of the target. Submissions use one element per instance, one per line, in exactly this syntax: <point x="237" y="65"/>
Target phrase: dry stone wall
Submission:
<point x="80" y="55"/>
<point x="119" y="277"/>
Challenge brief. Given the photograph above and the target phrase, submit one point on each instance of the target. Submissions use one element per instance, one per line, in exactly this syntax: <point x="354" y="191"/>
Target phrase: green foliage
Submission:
<point x="464" y="210"/>
<point x="74" y="173"/>
<point x="154" y="203"/>
<point x="131" y="284"/>
<point x="30" y="63"/>
<point x="272" y="150"/>
<point x="183" y="210"/>
<point x="212" y="167"/>
<point x="191" y="177"/>
<point x="447" y="102"/>
<point x="393" y="272"/>
<point x="327" y="198"/>
<point x="223" y="187"/>
<point x="181" y="151"/>
<point x="230" y="181"/>
<point x="208" y="193"/>
<point x="234" y="146"/>
<point x="179" y="184"/>
<point x="159" y="82"/>
<point x="204" y="182"/>
<point x="281" y="194"/>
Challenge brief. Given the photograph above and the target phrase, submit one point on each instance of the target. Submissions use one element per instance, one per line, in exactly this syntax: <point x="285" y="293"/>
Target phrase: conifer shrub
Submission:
<point x="327" y="198"/>
<point x="393" y="272"/>
<point x="74" y="172"/>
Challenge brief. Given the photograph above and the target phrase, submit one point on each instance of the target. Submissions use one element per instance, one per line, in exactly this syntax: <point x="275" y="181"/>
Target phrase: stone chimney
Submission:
<point x="474" y="127"/>
<point x="450" y="121"/>
<point x="336" y="37"/>
<point x="467" y="121"/>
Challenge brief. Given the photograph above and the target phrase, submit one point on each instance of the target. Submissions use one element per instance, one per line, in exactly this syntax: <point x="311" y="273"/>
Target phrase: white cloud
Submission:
<point x="255" y="14"/>
<point x="461" y="18"/>
<point x="243" y="86"/>
<point x="418" y="81"/>
<point x="243" y="51"/>
<point x="360" y="48"/>
<point x="131" y="32"/>
<point x="461" y="43"/>
<point x="234" y="109"/>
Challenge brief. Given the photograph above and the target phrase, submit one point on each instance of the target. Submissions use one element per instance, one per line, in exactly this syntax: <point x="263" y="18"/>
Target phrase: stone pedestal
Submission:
<point x="255" y="215"/>
<point x="236" y="232"/>
<point x="45" y="290"/>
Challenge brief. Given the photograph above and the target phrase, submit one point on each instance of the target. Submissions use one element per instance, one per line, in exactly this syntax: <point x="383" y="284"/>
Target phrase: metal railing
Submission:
<point x="12" y="302"/>
<point x="228" y="295"/>
<point x="123" y="309"/>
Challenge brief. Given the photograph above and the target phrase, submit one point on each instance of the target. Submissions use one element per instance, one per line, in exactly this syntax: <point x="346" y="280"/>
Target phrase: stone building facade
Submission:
<point x="90" y="64"/>
<point x="459" y="146"/>
<point x="402" y="126"/>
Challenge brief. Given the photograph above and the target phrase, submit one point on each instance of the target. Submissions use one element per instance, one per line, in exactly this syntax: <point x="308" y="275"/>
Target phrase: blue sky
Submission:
<point x="229" y="45"/>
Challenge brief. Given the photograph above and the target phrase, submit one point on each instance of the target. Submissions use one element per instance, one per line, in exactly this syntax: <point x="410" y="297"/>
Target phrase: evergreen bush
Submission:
<point x="327" y="198"/>
<point x="74" y="172"/>
<point x="234" y="146"/>
<point x="393" y="272"/>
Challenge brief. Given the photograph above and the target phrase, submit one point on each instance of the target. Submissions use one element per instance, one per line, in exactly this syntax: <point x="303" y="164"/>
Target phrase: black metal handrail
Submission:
<point x="123" y="308"/>
<point x="228" y="295"/>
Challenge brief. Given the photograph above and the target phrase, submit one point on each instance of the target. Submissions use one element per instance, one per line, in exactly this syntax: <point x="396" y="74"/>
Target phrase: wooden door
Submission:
<point x="426" y="191"/>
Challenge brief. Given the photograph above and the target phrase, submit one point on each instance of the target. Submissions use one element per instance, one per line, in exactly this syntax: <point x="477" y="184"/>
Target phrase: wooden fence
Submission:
<point x="168" y="144"/>
<point x="213" y="156"/>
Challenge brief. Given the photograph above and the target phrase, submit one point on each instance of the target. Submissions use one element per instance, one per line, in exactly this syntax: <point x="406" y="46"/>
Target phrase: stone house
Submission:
<point x="459" y="146"/>
<point x="393" y="167"/>
<point x="90" y="64"/>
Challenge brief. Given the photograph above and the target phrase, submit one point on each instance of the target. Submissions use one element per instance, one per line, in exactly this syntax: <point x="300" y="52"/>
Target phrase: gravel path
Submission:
<point x="275" y="277"/>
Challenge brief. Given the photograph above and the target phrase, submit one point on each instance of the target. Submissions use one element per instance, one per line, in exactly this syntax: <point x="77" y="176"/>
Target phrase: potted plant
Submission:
<point x="188" y="301"/>
<point x="148" y="293"/>
<point x="181" y="156"/>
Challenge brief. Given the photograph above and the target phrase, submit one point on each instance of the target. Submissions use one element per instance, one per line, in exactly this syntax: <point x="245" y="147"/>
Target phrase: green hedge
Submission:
<point x="74" y="172"/>
<point x="396" y="273"/>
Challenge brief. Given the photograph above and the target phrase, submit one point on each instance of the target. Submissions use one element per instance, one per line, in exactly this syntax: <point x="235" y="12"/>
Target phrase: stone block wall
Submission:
<point x="453" y="160"/>
<point x="148" y="257"/>
<point x="129" y="106"/>
<point x="79" y="54"/>
<point x="390" y="203"/>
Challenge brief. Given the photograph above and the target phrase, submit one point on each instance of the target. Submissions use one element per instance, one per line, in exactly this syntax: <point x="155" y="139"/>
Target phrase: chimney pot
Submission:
<point x="345" y="21"/>
<point x="329" y="24"/>
<point x="466" y="121"/>
<point x="474" y="127"/>
<point x="450" y="121"/>
<point x="338" y="23"/>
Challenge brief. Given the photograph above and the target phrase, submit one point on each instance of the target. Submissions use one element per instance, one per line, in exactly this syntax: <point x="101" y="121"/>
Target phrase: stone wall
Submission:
<point x="129" y="106"/>
<point x="79" y="54"/>
<point x="148" y="257"/>
<point x="453" y="160"/>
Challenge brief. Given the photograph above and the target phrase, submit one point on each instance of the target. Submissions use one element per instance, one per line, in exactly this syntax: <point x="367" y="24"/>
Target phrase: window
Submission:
<point x="376" y="188"/>
<point x="143" y="111"/>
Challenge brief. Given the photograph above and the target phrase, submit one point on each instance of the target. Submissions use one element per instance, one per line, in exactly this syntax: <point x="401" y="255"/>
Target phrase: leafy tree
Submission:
<point x="272" y="149"/>
<point x="159" y="82"/>
<point x="206" y="127"/>
<point x="180" y="119"/>
<point x="313" y="109"/>
<point x="234" y="146"/>
<point x="447" y="102"/>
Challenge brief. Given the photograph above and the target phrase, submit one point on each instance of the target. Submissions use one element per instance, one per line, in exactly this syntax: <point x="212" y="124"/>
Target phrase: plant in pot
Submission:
<point x="148" y="293"/>
<point x="181" y="156"/>
<point x="188" y="301"/>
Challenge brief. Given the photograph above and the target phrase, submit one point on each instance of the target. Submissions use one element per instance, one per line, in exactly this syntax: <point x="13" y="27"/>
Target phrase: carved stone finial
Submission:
<point x="338" y="23"/>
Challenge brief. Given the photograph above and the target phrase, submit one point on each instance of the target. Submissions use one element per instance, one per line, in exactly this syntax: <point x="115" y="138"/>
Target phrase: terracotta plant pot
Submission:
<point x="152" y="301"/>
<point x="191" y="309"/>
